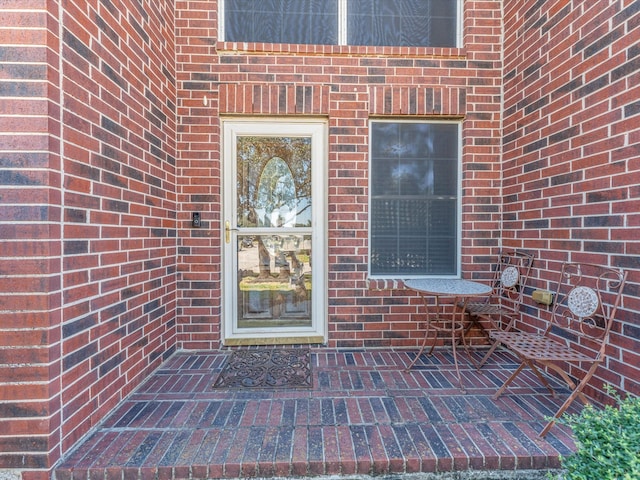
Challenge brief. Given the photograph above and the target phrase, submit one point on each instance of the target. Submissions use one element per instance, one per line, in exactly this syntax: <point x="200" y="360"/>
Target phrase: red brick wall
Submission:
<point x="30" y="238"/>
<point x="119" y="174"/>
<point x="113" y="146"/>
<point x="199" y="186"/>
<point x="571" y="149"/>
<point x="348" y="85"/>
<point x="89" y="207"/>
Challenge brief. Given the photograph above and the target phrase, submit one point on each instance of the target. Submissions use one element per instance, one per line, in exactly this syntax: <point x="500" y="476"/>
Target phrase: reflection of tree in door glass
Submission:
<point x="275" y="282"/>
<point x="274" y="181"/>
<point x="276" y="202"/>
<point x="274" y="223"/>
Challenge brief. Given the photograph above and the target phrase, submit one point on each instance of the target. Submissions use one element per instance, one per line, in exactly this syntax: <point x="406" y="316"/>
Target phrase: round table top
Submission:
<point x="448" y="286"/>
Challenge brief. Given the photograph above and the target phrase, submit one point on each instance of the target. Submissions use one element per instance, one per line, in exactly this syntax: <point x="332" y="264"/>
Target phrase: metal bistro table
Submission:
<point x="450" y="323"/>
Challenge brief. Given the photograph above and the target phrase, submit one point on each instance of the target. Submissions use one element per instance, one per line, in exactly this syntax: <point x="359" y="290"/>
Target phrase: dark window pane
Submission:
<point x="447" y="183"/>
<point x="412" y="255"/>
<point x="413" y="217"/>
<point x="282" y="21"/>
<point x="402" y="22"/>
<point x="442" y="257"/>
<point x="442" y="32"/>
<point x="414" y="204"/>
<point x="376" y="30"/>
<point x="415" y="31"/>
<point x="442" y="219"/>
<point x="384" y="253"/>
<point x="369" y="22"/>
<point x="384" y="217"/>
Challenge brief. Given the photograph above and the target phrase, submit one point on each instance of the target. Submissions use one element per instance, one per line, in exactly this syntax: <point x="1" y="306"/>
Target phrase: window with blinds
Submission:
<point x="414" y="198"/>
<point x="421" y="23"/>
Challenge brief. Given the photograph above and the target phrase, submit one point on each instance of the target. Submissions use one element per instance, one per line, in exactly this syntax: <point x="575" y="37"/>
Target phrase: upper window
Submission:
<point x="281" y="21"/>
<point x="414" y="198"/>
<point x="418" y="23"/>
<point x="407" y="23"/>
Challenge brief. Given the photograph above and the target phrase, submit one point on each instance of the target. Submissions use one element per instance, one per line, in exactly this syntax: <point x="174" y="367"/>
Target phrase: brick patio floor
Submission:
<point x="363" y="416"/>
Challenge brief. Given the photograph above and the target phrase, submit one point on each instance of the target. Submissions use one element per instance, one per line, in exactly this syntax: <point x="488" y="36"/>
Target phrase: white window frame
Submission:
<point x="458" y="268"/>
<point x="342" y="22"/>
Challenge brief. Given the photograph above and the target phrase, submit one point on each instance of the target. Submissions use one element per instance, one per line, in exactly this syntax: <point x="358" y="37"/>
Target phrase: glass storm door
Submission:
<point x="273" y="227"/>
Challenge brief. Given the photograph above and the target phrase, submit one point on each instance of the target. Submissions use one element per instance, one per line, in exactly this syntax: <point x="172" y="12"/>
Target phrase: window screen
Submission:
<point x="368" y="22"/>
<point x="402" y="22"/>
<point x="282" y="21"/>
<point x="414" y="198"/>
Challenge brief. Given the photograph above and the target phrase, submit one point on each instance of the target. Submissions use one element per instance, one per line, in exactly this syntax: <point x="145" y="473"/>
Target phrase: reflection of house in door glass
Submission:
<point x="276" y="204"/>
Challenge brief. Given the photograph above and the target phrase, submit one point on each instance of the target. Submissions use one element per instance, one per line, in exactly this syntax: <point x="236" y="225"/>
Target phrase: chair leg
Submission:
<point x="576" y="393"/>
<point x="473" y="320"/>
<point x="541" y="378"/>
<point x="487" y="355"/>
<point x="496" y="344"/>
<point x="509" y="380"/>
<point x="571" y="384"/>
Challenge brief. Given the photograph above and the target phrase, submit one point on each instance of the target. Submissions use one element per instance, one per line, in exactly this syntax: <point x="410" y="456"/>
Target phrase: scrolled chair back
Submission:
<point x="511" y="274"/>
<point x="585" y="304"/>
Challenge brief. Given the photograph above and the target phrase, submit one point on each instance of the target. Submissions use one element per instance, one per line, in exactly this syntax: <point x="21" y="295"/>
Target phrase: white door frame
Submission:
<point x="317" y="130"/>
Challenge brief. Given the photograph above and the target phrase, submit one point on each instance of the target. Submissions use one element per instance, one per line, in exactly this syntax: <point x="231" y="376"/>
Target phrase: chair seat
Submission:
<point x="537" y="347"/>
<point x="487" y="309"/>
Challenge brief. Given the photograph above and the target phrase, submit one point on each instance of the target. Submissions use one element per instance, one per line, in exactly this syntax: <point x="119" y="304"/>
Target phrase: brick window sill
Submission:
<point x="377" y="284"/>
<point x="347" y="50"/>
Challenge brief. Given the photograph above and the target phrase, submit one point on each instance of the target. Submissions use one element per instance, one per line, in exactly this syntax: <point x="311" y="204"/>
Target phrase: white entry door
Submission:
<point x="274" y="229"/>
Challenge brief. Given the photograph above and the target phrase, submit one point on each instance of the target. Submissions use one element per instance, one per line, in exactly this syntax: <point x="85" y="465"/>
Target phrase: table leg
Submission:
<point x="439" y="322"/>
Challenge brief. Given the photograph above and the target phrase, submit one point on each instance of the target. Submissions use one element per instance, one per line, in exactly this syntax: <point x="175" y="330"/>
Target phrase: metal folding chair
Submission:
<point x="501" y="309"/>
<point x="574" y="341"/>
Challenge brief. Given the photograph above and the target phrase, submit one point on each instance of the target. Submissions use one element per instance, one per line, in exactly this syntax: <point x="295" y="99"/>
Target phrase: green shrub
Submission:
<point x="607" y="441"/>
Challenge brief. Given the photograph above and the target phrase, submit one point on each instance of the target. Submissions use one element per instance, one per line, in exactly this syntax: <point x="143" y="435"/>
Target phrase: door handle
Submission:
<point x="227" y="231"/>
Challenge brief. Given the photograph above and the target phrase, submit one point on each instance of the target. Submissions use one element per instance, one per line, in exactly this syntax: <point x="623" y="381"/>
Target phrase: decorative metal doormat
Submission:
<point x="267" y="368"/>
